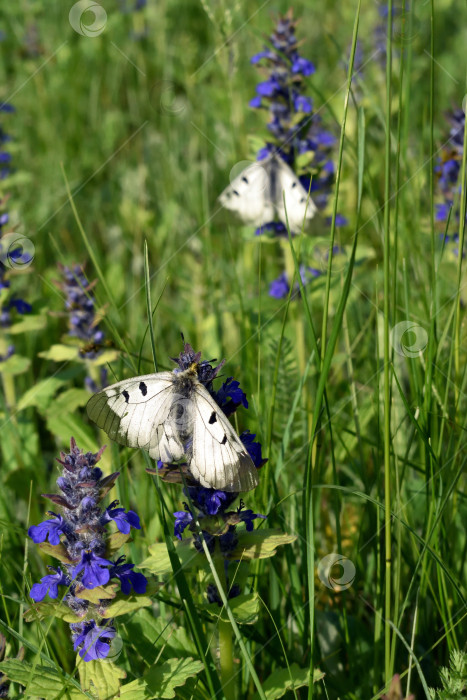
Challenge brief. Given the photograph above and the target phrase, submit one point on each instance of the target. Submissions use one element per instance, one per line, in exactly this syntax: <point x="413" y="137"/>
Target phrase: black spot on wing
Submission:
<point x="237" y="193"/>
<point x="213" y="418"/>
<point x="143" y="388"/>
<point x="245" y="180"/>
<point x="126" y="395"/>
<point x="224" y="440"/>
<point x="302" y="200"/>
<point x="294" y="185"/>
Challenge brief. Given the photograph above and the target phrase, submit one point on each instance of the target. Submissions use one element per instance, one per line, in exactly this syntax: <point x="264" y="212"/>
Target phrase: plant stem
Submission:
<point x="226" y="645"/>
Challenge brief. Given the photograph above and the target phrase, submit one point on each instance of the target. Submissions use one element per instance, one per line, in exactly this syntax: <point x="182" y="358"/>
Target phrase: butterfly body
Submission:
<point x="257" y="195"/>
<point x="171" y="415"/>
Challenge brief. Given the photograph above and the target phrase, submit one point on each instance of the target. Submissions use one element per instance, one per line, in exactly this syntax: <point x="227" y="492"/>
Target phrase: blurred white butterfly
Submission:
<point x="172" y="415"/>
<point x="257" y="195"/>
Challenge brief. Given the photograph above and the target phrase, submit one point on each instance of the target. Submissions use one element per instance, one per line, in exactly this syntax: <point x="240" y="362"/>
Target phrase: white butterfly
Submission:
<point x="172" y="415"/>
<point x="257" y="195"/>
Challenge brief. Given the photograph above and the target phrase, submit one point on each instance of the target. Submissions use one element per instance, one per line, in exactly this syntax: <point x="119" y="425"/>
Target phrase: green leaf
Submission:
<point x="245" y="609"/>
<point x="94" y="595"/>
<point x="162" y="679"/>
<point x="285" y="679"/>
<point x="68" y="401"/>
<point x="159" y="561"/>
<point x="40" y="394"/>
<point x="124" y="604"/>
<point x="115" y="541"/>
<point x="105" y="357"/>
<point x="171" y="641"/>
<point x="136" y="690"/>
<point x="16" y="364"/>
<point x="44" y="681"/>
<point x="41" y="611"/>
<point x="259" y="544"/>
<point x="71" y="424"/>
<point x="28" y="324"/>
<point x="61" y="353"/>
<point x="101" y="677"/>
<point x="58" y="551"/>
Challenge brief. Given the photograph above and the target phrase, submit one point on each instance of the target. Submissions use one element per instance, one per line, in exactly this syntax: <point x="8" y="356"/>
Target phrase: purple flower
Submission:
<point x="95" y="573"/>
<point x="279" y="288"/>
<point x="303" y="104"/>
<point x="182" y="520"/>
<point x="49" y="585"/>
<point x="52" y="529"/>
<point x="123" y="520"/>
<point x="230" y="396"/>
<point x="211" y="501"/>
<point x="253" y="448"/>
<point x="128" y="578"/>
<point x="93" y="640"/>
<point x="303" y="66"/>
<point x="247" y="516"/>
<point x="21" y="306"/>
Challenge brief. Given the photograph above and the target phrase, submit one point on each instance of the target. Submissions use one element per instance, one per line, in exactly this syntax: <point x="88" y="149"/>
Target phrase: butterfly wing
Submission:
<point x="286" y="184"/>
<point x="219" y="459"/>
<point x="137" y="412"/>
<point x="249" y="195"/>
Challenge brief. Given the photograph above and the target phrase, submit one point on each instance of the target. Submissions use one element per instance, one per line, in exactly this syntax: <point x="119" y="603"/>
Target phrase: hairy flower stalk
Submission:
<point x="83" y="323"/>
<point x="296" y="132"/>
<point x="78" y="537"/>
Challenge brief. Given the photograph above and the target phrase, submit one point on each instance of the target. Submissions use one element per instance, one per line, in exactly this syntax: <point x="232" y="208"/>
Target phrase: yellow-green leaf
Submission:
<point x="42" y="681"/>
<point x="245" y="609"/>
<point x="162" y="679"/>
<point x="115" y="541"/>
<point x="58" y="551"/>
<point x="40" y="611"/>
<point x="259" y="544"/>
<point x="16" y="364"/>
<point x="159" y="561"/>
<point x="284" y="679"/>
<point x="61" y="353"/>
<point x="28" y="323"/>
<point x="101" y="678"/>
<point x="40" y="394"/>
<point x="94" y="595"/>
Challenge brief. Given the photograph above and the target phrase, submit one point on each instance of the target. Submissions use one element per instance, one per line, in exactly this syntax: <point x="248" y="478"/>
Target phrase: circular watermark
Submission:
<point x="115" y="649"/>
<point x="167" y="99"/>
<point x="181" y="414"/>
<point x="329" y="578"/>
<point x="88" y="18"/>
<point x="16" y="251"/>
<point x="408" y="339"/>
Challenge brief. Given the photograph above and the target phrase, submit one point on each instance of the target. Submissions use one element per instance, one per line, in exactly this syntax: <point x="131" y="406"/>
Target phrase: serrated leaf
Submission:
<point x="16" y="364"/>
<point x="40" y="394"/>
<point x="245" y="609"/>
<point x="41" y="611"/>
<point x="28" y="324"/>
<point x="162" y="679"/>
<point x="44" y="682"/>
<point x="283" y="679"/>
<point x="58" y="551"/>
<point x="61" y="353"/>
<point x="259" y="544"/>
<point x="94" y="595"/>
<point x="115" y="541"/>
<point x="68" y="401"/>
<point x="101" y="677"/>
<point x="159" y="561"/>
